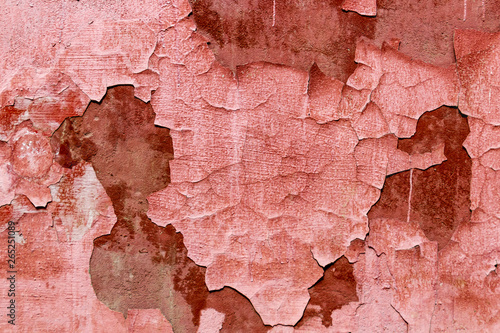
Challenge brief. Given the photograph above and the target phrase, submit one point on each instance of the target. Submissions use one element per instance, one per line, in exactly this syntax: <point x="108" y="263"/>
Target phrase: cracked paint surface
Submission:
<point x="306" y="187"/>
<point x="255" y="166"/>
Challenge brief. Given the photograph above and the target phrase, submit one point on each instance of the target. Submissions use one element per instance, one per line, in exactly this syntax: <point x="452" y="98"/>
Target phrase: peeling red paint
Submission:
<point x="362" y="7"/>
<point x="440" y="194"/>
<point x="311" y="183"/>
<point x="53" y="248"/>
<point x="272" y="182"/>
<point x="28" y="166"/>
<point x="242" y="32"/>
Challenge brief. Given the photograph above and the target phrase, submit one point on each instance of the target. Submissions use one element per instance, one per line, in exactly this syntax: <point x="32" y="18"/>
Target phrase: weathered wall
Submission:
<point x="250" y="166"/>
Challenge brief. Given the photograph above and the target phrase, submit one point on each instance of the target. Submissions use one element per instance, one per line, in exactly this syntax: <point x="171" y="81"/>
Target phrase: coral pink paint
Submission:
<point x="250" y="166"/>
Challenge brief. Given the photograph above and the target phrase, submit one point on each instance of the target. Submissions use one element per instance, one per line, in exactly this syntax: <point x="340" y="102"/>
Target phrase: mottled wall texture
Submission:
<point x="250" y="166"/>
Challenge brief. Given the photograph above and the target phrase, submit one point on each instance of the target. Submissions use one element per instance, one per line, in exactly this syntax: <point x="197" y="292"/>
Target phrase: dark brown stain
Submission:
<point x="441" y="194"/>
<point x="335" y="289"/>
<point x="208" y="20"/>
<point x="304" y="32"/>
<point x="139" y="264"/>
<point x="129" y="153"/>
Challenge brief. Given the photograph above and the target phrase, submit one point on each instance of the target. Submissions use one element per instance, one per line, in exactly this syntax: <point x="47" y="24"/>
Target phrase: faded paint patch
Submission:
<point x="211" y="321"/>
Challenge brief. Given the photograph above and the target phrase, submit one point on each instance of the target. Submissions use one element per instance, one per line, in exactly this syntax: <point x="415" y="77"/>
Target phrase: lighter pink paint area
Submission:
<point x="362" y="7"/>
<point x="147" y="321"/>
<point x="28" y="166"/>
<point x="53" y="290"/>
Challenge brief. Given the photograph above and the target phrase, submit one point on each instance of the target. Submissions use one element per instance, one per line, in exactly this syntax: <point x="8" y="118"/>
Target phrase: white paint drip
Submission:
<point x="409" y="196"/>
<point x="274" y="12"/>
<point x="465" y="10"/>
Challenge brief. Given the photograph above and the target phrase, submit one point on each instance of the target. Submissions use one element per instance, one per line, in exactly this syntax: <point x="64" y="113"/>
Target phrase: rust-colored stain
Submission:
<point x="243" y="32"/>
<point x="240" y="316"/>
<point x="440" y="197"/>
<point x="336" y="288"/>
<point x="441" y="194"/>
<point x="9" y="118"/>
<point x="140" y="266"/>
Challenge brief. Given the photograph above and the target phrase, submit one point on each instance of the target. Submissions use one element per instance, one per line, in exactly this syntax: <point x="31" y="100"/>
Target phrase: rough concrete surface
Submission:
<point x="250" y="166"/>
